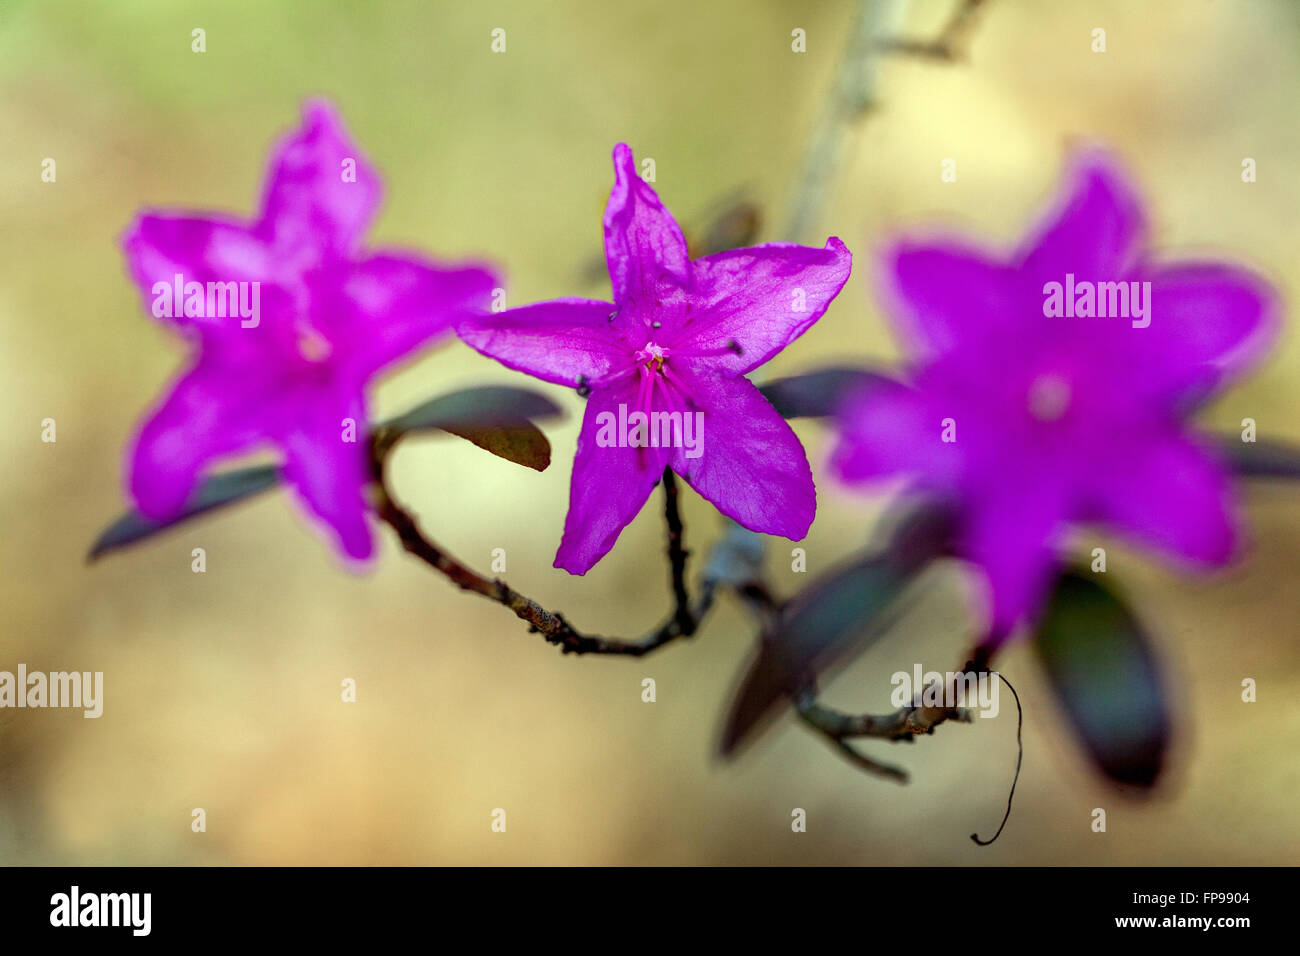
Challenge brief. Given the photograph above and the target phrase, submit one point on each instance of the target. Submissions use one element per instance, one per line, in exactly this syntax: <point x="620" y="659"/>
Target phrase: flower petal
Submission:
<point x="563" y="341"/>
<point x="396" y="302"/>
<point x="1010" y="532"/>
<point x="609" y="484"/>
<point x="1097" y="230"/>
<point x="751" y="465"/>
<point x="644" y="246"/>
<point x="201" y="419"/>
<point x="752" y="303"/>
<point x="1168" y="493"/>
<point x="941" y="294"/>
<point x="1206" y="321"/>
<point x="328" y="472"/>
<point x="889" y="429"/>
<point x="321" y="193"/>
<point x="160" y="247"/>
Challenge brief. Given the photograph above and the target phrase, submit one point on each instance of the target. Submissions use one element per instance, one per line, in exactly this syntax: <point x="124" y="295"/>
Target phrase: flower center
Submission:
<point x="654" y="354"/>
<point x="312" y="346"/>
<point x="1049" y="397"/>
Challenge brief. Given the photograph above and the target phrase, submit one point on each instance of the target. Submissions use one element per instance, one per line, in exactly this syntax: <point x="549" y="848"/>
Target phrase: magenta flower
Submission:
<point x="1051" y="387"/>
<point x="291" y="318"/>
<point x="663" y="367"/>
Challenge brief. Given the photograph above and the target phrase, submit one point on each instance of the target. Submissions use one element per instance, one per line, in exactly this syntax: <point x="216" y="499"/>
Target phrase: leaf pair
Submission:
<point x="498" y="419"/>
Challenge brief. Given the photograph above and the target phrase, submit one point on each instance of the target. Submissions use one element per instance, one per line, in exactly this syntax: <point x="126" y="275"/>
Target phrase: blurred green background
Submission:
<point x="223" y="689"/>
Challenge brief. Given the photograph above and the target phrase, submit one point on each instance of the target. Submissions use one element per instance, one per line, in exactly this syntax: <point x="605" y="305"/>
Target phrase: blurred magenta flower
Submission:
<point x="677" y="341"/>
<point x="290" y="318"/>
<point x="1027" y="420"/>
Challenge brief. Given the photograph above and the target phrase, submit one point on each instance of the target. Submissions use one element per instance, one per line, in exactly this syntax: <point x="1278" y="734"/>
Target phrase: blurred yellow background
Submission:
<point x="223" y="688"/>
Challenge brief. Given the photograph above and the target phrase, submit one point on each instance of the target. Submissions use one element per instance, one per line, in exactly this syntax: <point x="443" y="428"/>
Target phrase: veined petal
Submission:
<point x="565" y="341"/>
<point x="199" y="249"/>
<point x="749" y="304"/>
<point x="644" y="246"/>
<point x="1097" y="230"/>
<point x="1206" y="320"/>
<point x="321" y="192"/>
<point x="750" y="463"/>
<point x="397" y="302"/>
<point x="610" y="484"/>
<point x="941" y="294"/>
<point x="201" y="419"/>
<point x="329" y="473"/>
<point x="1167" y="493"/>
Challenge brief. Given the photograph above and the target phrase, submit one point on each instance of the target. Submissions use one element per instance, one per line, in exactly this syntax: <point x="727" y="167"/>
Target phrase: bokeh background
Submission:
<point x="223" y="688"/>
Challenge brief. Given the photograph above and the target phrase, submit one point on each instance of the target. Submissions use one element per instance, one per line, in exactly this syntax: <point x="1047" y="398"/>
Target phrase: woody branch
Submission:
<point x="552" y="625"/>
<point x="904" y="724"/>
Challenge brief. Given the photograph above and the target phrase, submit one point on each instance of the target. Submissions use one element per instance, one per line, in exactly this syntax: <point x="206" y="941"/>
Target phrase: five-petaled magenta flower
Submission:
<point x="664" y="367"/>
<point x="291" y="319"/>
<point x="1051" y="387"/>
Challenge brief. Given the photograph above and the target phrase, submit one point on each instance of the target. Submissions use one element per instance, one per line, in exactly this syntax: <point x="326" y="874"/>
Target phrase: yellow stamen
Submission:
<point x="312" y="346"/>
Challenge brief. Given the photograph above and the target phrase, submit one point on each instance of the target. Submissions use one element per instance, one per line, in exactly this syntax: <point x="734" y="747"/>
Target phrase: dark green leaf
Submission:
<point x="817" y="394"/>
<point x="497" y="418"/>
<point x="1104" y="671"/>
<point x="216" y="492"/>
<point x="485" y="407"/>
<point x="1262" y="459"/>
<point x="839" y="614"/>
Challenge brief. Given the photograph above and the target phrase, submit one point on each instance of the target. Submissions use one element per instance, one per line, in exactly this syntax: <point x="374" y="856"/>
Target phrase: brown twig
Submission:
<point x="904" y="724"/>
<point x="551" y="625"/>
<point x="868" y="764"/>
<point x="953" y="40"/>
<point x="677" y="555"/>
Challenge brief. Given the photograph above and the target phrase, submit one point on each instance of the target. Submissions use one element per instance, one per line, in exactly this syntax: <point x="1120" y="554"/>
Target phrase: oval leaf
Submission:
<point x="1101" y="665"/>
<point x="217" y="491"/>
<point x="496" y="418"/>
<point x="839" y="614"/>
<point x="816" y="394"/>
<point x="524" y="443"/>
